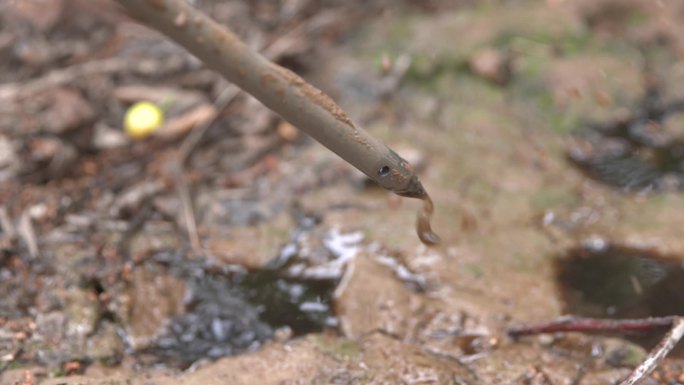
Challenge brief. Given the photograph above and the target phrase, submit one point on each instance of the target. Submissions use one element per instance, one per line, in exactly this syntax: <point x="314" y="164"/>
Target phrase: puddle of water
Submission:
<point x="612" y="281"/>
<point x="230" y="310"/>
<point x="635" y="155"/>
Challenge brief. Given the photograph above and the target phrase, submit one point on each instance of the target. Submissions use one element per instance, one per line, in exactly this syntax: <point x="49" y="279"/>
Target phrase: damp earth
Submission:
<point x="538" y="133"/>
<point x="613" y="281"/>
<point x="229" y="310"/>
<point x="639" y="153"/>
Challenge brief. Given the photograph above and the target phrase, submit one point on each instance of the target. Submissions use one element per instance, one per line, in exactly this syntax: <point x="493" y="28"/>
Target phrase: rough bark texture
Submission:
<point x="278" y="88"/>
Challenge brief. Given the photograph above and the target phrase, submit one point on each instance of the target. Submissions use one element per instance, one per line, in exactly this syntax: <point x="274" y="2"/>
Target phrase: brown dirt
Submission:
<point x="100" y="208"/>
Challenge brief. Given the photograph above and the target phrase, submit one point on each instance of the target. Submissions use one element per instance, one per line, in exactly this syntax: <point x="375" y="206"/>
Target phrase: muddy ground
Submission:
<point x="547" y="132"/>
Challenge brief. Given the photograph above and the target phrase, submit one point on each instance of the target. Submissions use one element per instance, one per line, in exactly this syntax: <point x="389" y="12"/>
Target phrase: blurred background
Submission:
<point x="549" y="134"/>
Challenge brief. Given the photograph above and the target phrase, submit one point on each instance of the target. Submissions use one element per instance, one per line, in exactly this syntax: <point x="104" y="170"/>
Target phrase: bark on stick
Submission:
<point x="281" y="90"/>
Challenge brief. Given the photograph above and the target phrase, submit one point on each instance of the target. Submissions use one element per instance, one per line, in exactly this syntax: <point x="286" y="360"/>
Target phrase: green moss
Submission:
<point x="428" y="71"/>
<point x="474" y="270"/>
<point x="542" y="41"/>
<point x="10" y="365"/>
<point x="394" y="34"/>
<point x="636" y="18"/>
<point x="341" y="349"/>
<point x="553" y="198"/>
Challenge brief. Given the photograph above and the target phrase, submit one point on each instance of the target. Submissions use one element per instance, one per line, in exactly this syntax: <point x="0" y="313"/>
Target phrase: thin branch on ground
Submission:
<point x="58" y="77"/>
<point x="177" y="165"/>
<point x="61" y="76"/>
<point x="592" y="325"/>
<point x="6" y="224"/>
<point x="28" y="233"/>
<point x="658" y="354"/>
<point x="222" y="102"/>
<point x="183" y="192"/>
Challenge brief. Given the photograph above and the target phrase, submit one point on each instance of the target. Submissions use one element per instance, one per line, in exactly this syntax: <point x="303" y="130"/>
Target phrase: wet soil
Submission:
<point x="620" y="282"/>
<point x="228" y="310"/>
<point x="613" y="281"/>
<point x="637" y="154"/>
<point x="104" y="283"/>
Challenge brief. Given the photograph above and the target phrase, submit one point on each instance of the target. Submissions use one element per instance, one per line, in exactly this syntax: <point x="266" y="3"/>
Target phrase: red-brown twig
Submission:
<point x="592" y="325"/>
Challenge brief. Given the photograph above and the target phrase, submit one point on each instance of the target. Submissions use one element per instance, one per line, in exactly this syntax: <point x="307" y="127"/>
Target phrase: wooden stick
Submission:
<point x="280" y="89"/>
<point x="657" y="355"/>
<point x="592" y="325"/>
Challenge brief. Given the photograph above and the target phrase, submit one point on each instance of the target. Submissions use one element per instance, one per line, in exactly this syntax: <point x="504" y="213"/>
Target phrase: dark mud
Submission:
<point x="230" y="310"/>
<point x="620" y="282"/>
<point x="636" y="154"/>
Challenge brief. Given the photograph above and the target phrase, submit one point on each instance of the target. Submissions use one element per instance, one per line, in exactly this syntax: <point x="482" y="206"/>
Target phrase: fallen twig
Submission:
<point x="68" y="75"/>
<point x="656" y="356"/>
<point x="592" y="325"/>
<point x="180" y="125"/>
<point x="61" y="76"/>
<point x="27" y="232"/>
<point x="183" y="192"/>
<point x="6" y="224"/>
<point x="191" y="141"/>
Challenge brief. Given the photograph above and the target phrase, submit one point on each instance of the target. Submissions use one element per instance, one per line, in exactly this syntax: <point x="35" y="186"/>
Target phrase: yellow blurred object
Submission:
<point x="142" y="119"/>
